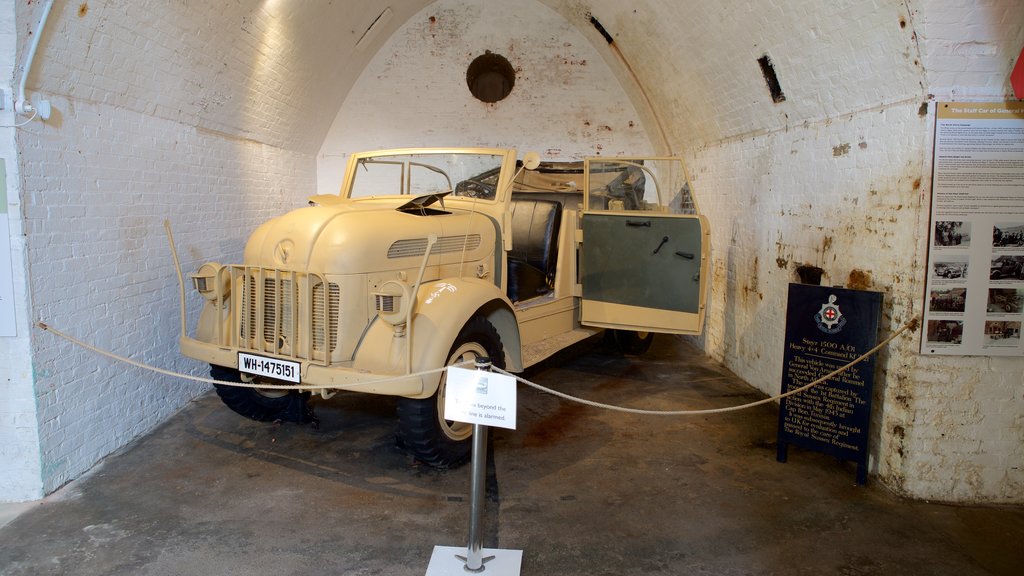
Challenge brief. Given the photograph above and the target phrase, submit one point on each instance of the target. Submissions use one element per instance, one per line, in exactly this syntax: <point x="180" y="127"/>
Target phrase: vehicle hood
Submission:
<point x="354" y="238"/>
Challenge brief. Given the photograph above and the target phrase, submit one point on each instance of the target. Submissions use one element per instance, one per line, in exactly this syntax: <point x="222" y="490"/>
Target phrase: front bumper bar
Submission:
<point x="314" y="376"/>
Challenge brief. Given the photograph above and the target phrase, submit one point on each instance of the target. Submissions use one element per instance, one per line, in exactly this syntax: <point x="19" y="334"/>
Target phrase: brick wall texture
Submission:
<point x="217" y="116"/>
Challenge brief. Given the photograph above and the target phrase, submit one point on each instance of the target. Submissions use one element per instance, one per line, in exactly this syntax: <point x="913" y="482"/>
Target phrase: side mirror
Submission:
<point x="531" y="160"/>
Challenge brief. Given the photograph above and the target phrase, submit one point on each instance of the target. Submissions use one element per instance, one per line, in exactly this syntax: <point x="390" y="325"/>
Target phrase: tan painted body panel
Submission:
<point x="330" y="285"/>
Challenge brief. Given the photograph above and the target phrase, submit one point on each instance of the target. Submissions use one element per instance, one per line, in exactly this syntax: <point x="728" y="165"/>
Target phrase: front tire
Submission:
<point x="260" y="405"/>
<point x="422" y="429"/>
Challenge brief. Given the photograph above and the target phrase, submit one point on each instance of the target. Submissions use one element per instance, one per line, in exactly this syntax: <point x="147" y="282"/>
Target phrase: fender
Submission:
<point x="209" y="317"/>
<point x="443" y="307"/>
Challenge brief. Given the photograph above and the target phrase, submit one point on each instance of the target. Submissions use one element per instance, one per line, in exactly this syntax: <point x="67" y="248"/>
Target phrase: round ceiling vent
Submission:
<point x="490" y="77"/>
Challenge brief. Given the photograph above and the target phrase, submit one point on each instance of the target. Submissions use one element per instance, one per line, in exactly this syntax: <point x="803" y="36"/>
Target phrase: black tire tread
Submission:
<point x="418" y="426"/>
<point x="630" y="343"/>
<point x="247" y="401"/>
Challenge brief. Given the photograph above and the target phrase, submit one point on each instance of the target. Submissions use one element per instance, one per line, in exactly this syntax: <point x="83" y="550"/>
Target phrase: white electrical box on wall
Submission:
<point x="7" y="325"/>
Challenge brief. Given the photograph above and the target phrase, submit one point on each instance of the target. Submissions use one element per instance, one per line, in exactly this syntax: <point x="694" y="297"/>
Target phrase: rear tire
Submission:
<point x="422" y="429"/>
<point x="632" y="343"/>
<point x="260" y="405"/>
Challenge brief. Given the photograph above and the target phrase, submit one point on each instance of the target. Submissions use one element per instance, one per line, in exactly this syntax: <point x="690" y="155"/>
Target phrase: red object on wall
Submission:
<point x="1017" y="77"/>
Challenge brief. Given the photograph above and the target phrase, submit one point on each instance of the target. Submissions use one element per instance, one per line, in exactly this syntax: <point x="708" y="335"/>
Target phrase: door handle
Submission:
<point x="687" y="255"/>
<point x="663" y="240"/>
<point x="638" y="223"/>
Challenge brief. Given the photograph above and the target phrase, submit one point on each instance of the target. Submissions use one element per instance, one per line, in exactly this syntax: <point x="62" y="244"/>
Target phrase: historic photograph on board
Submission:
<point x="945" y="331"/>
<point x="1002" y="333"/>
<point x="947" y="300"/>
<point x="955" y="233"/>
<point x="1004" y="300"/>
<point x="950" y="267"/>
<point x="1008" y="235"/>
<point x="1007" y="268"/>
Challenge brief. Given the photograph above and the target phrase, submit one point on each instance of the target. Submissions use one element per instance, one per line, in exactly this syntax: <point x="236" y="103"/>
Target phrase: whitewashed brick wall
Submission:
<point x="965" y="439"/>
<point x="968" y="46"/>
<point x="844" y="195"/>
<point x="836" y="176"/>
<point x="221" y="112"/>
<point x="19" y="432"/>
<point x="157" y="115"/>
<point x="846" y="187"/>
<point x="565" y="103"/>
<point x="101" y="267"/>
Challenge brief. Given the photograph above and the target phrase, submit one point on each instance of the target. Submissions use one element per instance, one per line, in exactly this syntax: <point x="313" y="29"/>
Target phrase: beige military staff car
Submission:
<point x="432" y="257"/>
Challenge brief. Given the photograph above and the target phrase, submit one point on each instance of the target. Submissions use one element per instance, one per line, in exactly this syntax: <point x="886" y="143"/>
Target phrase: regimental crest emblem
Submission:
<point x="830" y="319"/>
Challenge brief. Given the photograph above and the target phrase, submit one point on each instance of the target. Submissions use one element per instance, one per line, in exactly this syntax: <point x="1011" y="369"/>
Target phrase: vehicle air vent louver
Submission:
<point x="384" y="303"/>
<point x="444" y="245"/>
<point x="332" y="301"/>
<point x="279" y="300"/>
<point x="248" y="314"/>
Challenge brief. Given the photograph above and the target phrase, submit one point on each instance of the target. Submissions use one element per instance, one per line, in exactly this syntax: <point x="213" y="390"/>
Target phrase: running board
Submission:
<point x="534" y="353"/>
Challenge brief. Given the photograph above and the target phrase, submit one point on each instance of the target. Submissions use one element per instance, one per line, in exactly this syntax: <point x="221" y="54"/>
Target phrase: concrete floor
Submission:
<point x="579" y="490"/>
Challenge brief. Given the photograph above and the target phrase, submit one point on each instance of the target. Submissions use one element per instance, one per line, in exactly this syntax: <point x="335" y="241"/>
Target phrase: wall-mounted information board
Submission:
<point x="974" y="302"/>
<point x="826" y="329"/>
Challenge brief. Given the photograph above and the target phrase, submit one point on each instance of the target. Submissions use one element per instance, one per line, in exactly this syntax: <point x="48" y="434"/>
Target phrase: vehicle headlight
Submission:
<point x="392" y="301"/>
<point x="210" y="282"/>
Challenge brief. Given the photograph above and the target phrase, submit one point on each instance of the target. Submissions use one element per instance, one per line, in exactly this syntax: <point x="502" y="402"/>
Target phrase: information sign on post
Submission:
<point x="476" y="397"/>
<point x="481" y="398"/>
<point x="827" y="328"/>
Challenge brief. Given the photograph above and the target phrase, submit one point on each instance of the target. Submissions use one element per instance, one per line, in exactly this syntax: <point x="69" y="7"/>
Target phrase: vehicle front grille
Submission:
<point x="285" y="314"/>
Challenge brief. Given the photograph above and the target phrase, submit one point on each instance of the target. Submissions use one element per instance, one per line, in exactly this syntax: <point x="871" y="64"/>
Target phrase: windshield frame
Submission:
<point x="506" y="168"/>
<point x="663" y="185"/>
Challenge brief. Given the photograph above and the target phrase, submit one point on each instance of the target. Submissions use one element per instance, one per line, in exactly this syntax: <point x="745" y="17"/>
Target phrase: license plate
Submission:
<point x="270" y="367"/>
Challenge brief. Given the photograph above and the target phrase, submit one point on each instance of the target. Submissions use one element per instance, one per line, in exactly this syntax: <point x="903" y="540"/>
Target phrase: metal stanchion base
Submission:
<point x="445" y="561"/>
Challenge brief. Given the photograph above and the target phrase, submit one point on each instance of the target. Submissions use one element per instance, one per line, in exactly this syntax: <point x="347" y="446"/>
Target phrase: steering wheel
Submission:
<point x="474" y="189"/>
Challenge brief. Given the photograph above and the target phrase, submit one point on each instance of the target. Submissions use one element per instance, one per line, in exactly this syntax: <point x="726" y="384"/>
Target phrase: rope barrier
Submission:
<point x="912" y="325"/>
<point x="47" y="328"/>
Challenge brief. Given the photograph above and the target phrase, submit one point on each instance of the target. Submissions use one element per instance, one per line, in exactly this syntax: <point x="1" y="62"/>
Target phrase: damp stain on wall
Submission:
<point x="858" y="280"/>
<point x="826" y="245"/>
<point x="782" y="256"/>
<point x="751" y="287"/>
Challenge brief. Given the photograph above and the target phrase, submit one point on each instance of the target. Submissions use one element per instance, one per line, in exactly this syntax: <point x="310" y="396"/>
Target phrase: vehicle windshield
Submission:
<point x="641" y="184"/>
<point x="472" y="175"/>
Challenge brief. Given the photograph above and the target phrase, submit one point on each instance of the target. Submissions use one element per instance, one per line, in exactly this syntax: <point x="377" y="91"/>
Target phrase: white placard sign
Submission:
<point x="7" y="325"/>
<point x="478" y="397"/>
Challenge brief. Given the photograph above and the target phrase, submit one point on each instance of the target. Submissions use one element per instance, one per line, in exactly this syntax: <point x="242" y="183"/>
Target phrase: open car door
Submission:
<point x="645" y="249"/>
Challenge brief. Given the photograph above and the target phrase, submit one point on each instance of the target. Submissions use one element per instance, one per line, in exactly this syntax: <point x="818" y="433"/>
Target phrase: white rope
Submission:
<point x="909" y="326"/>
<point x="20" y="124"/>
<point x="261" y="386"/>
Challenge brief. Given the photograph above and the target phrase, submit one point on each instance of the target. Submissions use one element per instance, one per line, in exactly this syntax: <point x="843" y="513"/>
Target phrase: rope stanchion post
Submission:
<point x="477" y="487"/>
<point x="488" y="394"/>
